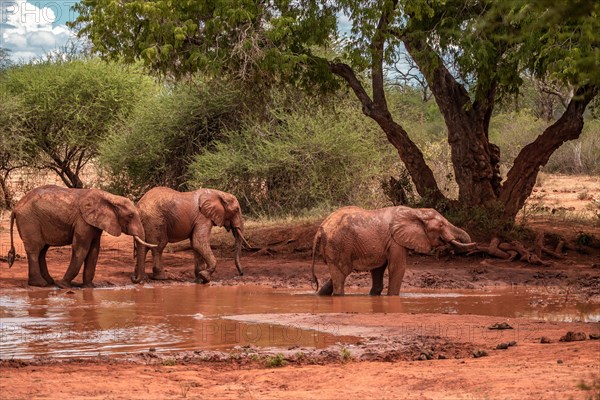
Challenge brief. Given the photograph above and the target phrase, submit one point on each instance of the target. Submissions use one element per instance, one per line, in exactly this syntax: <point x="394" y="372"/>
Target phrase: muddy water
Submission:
<point x="89" y="322"/>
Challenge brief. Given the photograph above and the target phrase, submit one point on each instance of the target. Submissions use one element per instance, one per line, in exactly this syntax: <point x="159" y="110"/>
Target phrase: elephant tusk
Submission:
<point x="463" y="246"/>
<point x="239" y="231"/>
<point x="140" y="241"/>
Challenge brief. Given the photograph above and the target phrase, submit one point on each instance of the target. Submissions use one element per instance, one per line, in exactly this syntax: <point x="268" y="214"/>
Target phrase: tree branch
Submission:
<point x="521" y="177"/>
<point x="347" y="73"/>
<point x="442" y="84"/>
<point x="377" y="50"/>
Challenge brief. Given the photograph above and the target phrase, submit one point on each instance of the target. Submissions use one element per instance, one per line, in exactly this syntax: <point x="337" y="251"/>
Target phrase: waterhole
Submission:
<point x="90" y="322"/>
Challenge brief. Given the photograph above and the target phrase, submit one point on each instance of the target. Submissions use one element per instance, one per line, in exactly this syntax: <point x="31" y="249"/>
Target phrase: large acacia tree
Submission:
<point x="55" y="114"/>
<point x="472" y="54"/>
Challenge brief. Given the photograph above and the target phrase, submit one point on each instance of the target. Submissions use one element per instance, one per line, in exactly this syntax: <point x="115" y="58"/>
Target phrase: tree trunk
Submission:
<point x="6" y="195"/>
<point x="69" y="177"/>
<point x="475" y="160"/>
<point x="409" y="153"/>
<point x="413" y="159"/>
<point x="522" y="176"/>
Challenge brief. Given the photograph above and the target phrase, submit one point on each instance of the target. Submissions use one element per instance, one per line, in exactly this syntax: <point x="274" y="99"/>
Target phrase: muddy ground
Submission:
<point x="440" y="356"/>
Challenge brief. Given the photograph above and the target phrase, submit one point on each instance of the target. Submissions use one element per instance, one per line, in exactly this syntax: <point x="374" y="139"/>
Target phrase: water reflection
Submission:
<point x="91" y="321"/>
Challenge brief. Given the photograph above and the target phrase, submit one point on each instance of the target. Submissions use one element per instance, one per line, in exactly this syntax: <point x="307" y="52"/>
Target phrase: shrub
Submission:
<point x="157" y="144"/>
<point x="581" y="156"/>
<point x="278" y="360"/>
<point x="297" y="161"/>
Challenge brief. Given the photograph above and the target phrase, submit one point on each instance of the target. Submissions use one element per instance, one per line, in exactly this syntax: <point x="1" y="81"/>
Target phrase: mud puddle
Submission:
<point x="90" y="322"/>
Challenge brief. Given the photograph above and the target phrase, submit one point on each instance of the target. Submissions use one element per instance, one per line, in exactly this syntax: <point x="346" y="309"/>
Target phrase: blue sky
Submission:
<point x="32" y="28"/>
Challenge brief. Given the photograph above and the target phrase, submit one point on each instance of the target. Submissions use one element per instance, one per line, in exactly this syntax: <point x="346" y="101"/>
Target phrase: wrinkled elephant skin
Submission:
<point x="170" y="216"/>
<point x="354" y="239"/>
<point x="55" y="216"/>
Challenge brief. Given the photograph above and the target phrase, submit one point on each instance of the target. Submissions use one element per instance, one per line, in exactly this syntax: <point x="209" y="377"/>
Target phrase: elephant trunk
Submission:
<point x="239" y="236"/>
<point x="462" y="240"/>
<point x="139" y="246"/>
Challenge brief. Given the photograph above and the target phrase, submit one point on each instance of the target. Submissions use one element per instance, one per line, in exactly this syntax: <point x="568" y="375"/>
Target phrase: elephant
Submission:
<point x="355" y="239"/>
<point x="170" y="216"/>
<point x="56" y="216"/>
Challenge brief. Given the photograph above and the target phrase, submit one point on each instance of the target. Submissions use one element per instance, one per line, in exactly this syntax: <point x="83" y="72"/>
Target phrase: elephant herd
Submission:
<point x="350" y="239"/>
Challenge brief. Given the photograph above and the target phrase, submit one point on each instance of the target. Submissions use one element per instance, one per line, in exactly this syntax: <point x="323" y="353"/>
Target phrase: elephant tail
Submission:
<point x="315" y="249"/>
<point x="11" y="252"/>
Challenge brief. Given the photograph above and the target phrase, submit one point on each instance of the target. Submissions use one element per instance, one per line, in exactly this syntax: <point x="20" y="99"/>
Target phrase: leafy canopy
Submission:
<point x="484" y="41"/>
<point x="301" y="158"/>
<point x="240" y="39"/>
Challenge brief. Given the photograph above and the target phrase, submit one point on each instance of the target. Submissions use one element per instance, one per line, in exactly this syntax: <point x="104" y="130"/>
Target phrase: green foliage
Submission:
<point x="63" y="110"/>
<point x="302" y="158"/>
<point x="164" y="132"/>
<point x="486" y="46"/>
<point x="423" y="120"/>
<point x="558" y="38"/>
<point x="345" y="355"/>
<point x="241" y="40"/>
<point x="480" y="222"/>
<point x="278" y="360"/>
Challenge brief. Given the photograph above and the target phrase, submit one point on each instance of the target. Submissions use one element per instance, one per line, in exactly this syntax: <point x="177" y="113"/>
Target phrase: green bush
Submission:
<point x="300" y="160"/>
<point x="158" y="142"/>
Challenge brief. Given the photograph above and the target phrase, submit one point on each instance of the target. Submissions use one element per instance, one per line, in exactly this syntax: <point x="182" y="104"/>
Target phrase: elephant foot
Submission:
<point x="375" y="292"/>
<point x="88" y="285"/>
<point x="159" y="276"/>
<point x="63" y="284"/>
<point x="326" y="289"/>
<point x="142" y="279"/>
<point x="49" y="280"/>
<point x="203" y="277"/>
<point x="40" y="282"/>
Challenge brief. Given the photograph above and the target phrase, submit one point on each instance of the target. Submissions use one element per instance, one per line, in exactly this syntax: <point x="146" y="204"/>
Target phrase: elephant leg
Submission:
<point x="199" y="265"/>
<point x="338" y="278"/>
<point x="377" y="278"/>
<point x="158" y="272"/>
<point x="80" y="249"/>
<point x="397" y="267"/>
<point x="44" y="266"/>
<point x="89" y="268"/>
<point x="139" y="274"/>
<point x="201" y="245"/>
<point x="326" y="289"/>
<point x="33" y="262"/>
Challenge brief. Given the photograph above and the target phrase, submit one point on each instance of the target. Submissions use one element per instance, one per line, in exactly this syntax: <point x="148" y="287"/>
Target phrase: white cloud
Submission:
<point x="30" y="29"/>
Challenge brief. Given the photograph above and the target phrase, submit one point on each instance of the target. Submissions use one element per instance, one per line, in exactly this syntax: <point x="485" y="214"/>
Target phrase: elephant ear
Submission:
<point x="212" y="205"/>
<point x="97" y="210"/>
<point x="408" y="230"/>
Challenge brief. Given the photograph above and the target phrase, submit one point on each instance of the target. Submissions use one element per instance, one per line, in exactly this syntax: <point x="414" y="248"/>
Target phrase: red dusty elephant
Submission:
<point x="170" y="216"/>
<point x="354" y="239"/>
<point x="55" y="216"/>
